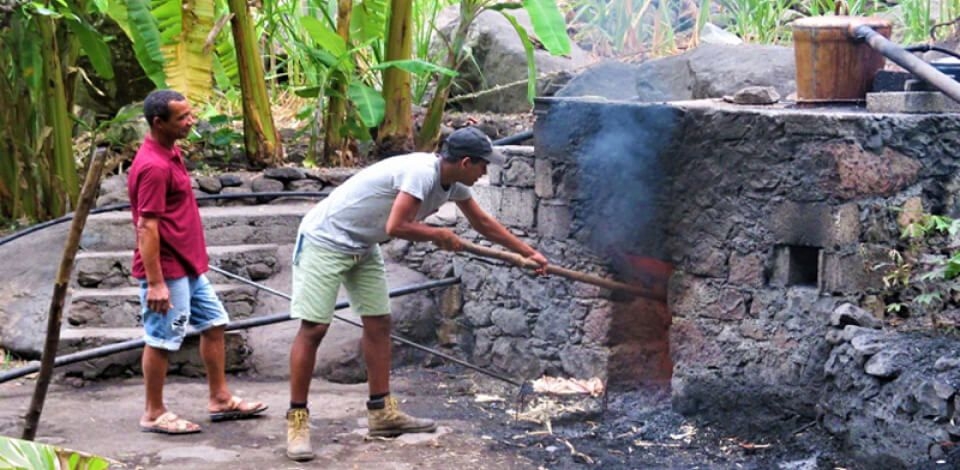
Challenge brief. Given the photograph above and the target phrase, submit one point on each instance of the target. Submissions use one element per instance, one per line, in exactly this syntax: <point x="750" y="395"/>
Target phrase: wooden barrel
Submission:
<point x="831" y="66"/>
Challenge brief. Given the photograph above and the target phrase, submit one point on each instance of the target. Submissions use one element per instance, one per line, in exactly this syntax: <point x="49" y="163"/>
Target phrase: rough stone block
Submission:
<point x="511" y="206"/>
<point x="849" y="314"/>
<point x="845" y="227"/>
<point x="543" y="178"/>
<point x="911" y="102"/>
<point x="849" y="273"/>
<point x="805" y="224"/>
<point x="519" y="172"/>
<point x="746" y="270"/>
<point x="554" y="219"/>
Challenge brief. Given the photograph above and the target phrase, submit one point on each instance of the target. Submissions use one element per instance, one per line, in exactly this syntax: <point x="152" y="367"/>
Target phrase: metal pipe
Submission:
<point x="905" y="59"/>
<point x="114" y="348"/>
<point x="513" y="139"/>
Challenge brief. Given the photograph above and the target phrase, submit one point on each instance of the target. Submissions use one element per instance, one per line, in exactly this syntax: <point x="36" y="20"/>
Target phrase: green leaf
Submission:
<point x="369" y="20"/>
<point x="531" y="62"/>
<point x="369" y="103"/>
<point x="97" y="50"/>
<point x="549" y="25"/>
<point x="326" y="38"/>
<point x="416" y="67"/>
<point x="145" y="35"/>
<point x="309" y="92"/>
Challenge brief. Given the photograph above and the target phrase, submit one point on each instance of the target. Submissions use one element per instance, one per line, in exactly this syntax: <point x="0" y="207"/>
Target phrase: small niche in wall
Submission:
<point x="796" y="265"/>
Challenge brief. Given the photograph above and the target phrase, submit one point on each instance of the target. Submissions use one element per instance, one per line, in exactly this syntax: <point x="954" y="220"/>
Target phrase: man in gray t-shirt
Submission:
<point x="338" y="244"/>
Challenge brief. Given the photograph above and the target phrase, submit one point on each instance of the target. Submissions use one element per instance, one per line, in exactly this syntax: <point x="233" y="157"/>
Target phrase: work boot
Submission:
<point x="385" y="419"/>
<point x="298" y="435"/>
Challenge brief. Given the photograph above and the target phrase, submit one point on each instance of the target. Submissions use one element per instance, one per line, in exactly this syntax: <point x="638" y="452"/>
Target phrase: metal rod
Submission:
<point x="401" y="291"/>
<point x="114" y="348"/>
<point x="905" y="59"/>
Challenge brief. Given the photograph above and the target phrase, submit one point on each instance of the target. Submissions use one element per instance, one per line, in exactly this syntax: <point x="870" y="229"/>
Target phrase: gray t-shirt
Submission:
<point x="353" y="218"/>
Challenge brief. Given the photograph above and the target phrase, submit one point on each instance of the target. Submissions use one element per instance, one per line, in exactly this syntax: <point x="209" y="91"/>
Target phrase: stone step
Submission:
<point x="105" y="269"/>
<point x="236" y="225"/>
<point x="186" y="361"/>
<point x="120" y="307"/>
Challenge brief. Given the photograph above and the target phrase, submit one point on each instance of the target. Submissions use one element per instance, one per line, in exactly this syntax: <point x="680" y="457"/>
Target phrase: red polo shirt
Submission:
<point x="159" y="186"/>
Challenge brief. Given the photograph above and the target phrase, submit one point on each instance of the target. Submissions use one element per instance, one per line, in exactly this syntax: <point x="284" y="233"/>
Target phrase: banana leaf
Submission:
<point x="549" y="25"/>
<point x="368" y="103"/>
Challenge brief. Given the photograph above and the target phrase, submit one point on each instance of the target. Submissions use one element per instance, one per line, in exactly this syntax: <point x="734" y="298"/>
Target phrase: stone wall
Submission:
<point x="773" y="219"/>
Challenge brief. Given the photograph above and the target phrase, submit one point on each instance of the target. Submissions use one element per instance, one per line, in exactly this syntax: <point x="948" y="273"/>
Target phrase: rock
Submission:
<point x="339" y="358"/>
<point x="331" y="176"/>
<point x="754" y="95"/>
<point x="513" y="322"/>
<point x="209" y="184"/>
<point x="266" y="185"/>
<point x="415" y="316"/>
<point x="849" y="314"/>
<point x="500" y="59"/>
<point x="709" y="71"/>
<point x="284" y="173"/>
<point x="713" y="34"/>
<point x="886" y="364"/>
<point x="946" y="363"/>
<point x="596" y="82"/>
<point x="229" y="180"/>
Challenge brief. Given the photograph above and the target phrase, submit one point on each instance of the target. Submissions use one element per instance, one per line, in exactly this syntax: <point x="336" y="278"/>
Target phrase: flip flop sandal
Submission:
<point x="235" y="410"/>
<point x="169" y="423"/>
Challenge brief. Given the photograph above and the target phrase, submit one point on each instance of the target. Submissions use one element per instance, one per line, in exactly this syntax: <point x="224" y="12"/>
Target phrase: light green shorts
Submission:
<point x="318" y="274"/>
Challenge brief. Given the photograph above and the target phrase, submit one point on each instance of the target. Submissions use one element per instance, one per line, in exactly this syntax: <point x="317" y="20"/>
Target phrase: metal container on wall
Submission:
<point x="832" y="67"/>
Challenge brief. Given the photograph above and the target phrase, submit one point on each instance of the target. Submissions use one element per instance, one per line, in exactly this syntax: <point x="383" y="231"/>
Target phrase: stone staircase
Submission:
<point x="104" y="305"/>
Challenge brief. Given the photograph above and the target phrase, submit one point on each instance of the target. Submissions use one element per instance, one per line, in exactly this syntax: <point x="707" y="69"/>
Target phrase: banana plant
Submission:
<point x="17" y="453"/>
<point x="548" y="25"/>
<point x="260" y="136"/>
<point x="38" y="171"/>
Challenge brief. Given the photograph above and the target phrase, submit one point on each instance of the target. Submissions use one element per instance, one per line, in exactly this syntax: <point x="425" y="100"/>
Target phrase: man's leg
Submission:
<point x="303" y="358"/>
<point x="208" y="315"/>
<point x="154" y="363"/>
<point x="367" y="285"/>
<point x="213" y="353"/>
<point x="163" y="332"/>
<point x="376" y="346"/>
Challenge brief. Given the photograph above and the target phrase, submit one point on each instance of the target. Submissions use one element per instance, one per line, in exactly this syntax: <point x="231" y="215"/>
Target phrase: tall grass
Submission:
<point x="657" y="27"/>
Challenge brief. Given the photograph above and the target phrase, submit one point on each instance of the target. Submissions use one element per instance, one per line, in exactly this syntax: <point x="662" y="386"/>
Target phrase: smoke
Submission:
<point x="622" y="181"/>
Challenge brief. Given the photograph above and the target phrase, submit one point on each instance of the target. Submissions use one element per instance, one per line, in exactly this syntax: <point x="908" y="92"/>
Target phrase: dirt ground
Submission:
<point x="479" y="429"/>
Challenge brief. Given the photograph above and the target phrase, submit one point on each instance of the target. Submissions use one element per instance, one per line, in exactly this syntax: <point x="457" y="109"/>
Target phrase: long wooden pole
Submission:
<point x="55" y="316"/>
<point x="567" y="273"/>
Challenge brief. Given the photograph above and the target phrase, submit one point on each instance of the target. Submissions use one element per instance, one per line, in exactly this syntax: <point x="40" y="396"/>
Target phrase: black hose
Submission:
<point x="928" y="48"/>
<point x="114" y="348"/>
<point x="513" y="139"/>
<point x="126" y="205"/>
<point x="912" y="63"/>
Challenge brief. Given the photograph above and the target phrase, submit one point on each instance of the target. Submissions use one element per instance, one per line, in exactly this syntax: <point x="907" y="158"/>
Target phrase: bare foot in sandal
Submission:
<point x="235" y="408"/>
<point x="169" y="423"/>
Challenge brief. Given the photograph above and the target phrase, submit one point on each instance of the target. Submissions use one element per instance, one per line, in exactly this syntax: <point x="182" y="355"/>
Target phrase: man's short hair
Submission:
<point x="470" y="142"/>
<point x="157" y="104"/>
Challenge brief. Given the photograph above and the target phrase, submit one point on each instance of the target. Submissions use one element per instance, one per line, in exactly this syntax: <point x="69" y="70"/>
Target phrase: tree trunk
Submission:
<point x="260" y="137"/>
<point x="429" y="136"/>
<point x="396" y="133"/>
<point x="55" y="315"/>
<point x="65" y="185"/>
<point x="336" y="151"/>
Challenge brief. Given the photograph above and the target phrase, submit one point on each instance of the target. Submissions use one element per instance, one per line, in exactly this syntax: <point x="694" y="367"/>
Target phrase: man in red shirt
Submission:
<point x="170" y="261"/>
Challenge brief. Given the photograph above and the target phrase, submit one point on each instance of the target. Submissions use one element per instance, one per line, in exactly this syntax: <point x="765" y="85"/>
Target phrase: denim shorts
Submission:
<point x="318" y="274"/>
<point x="193" y="302"/>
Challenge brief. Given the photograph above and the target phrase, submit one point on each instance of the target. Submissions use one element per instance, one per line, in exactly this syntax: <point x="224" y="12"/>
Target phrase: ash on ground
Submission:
<point x="636" y="429"/>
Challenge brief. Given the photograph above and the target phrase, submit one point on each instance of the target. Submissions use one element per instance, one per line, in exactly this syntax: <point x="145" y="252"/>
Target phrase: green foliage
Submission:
<point x="20" y="454"/>
<point x="918" y="276"/>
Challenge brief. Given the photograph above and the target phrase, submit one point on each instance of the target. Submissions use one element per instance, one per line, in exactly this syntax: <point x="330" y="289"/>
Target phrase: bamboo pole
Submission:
<point x="55" y="315"/>
<point x="557" y="270"/>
